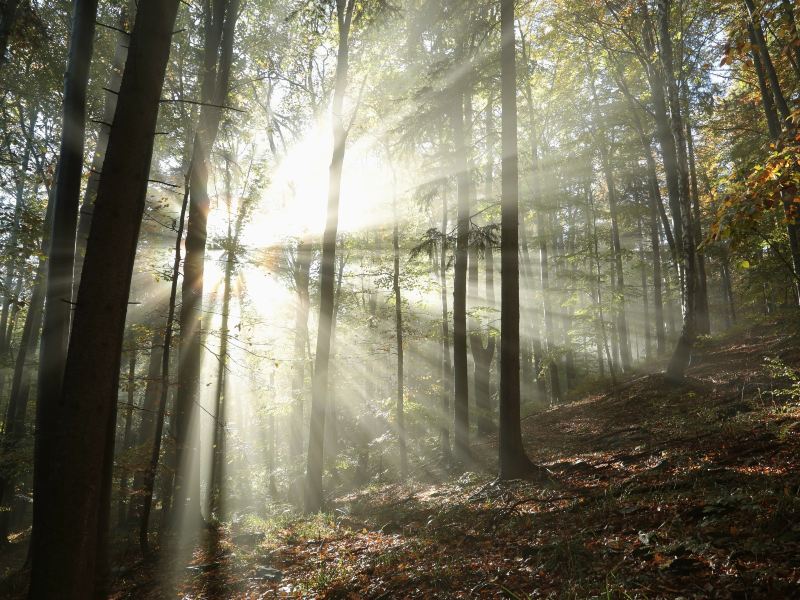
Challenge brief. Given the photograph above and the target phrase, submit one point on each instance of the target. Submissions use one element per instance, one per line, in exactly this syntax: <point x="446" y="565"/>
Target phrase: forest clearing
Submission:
<point x="399" y="299"/>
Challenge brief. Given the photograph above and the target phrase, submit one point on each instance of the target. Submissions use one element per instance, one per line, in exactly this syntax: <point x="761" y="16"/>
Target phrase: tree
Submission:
<point x="514" y="463"/>
<point x="319" y="387"/>
<point x="58" y="291"/>
<point x="69" y="544"/>
<point x="219" y="30"/>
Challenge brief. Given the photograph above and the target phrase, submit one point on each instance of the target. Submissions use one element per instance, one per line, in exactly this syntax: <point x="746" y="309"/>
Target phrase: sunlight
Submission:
<point x="294" y="203"/>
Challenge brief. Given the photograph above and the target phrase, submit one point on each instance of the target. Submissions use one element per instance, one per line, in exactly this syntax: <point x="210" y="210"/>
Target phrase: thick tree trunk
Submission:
<point x="327" y="279"/>
<point x="67" y="541"/>
<point x="50" y="429"/>
<point x="703" y="315"/>
<point x="109" y="107"/>
<point x="767" y="102"/>
<point x="682" y="355"/>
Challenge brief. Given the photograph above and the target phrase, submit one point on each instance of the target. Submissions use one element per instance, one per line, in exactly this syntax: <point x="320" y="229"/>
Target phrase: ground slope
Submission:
<point x="664" y="491"/>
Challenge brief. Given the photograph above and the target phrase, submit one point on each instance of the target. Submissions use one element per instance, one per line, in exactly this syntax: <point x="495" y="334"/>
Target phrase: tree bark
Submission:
<point x="319" y="387"/>
<point x="460" y="364"/>
<point x="682" y="356"/>
<point x="124" y="497"/>
<point x="48" y="508"/>
<point x="398" y="317"/>
<point x="155" y="452"/>
<point x="513" y="462"/>
<point x="447" y="367"/>
<point x="769" y="67"/>
<point x="109" y="107"/>
<point x="67" y="545"/>
<point x="220" y="23"/>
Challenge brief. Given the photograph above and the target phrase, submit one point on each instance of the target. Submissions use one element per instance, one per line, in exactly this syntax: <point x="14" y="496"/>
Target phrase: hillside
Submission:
<point x="659" y="492"/>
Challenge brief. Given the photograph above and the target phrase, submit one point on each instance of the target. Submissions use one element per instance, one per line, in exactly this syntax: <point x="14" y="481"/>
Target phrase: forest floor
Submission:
<point x="663" y="491"/>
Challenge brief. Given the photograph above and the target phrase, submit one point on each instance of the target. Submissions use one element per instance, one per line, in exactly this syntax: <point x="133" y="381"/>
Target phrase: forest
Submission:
<point x="399" y="299"/>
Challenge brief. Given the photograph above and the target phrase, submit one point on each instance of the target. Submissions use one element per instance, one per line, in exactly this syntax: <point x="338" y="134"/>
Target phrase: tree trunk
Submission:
<point x="144" y="438"/>
<point x="682" y="355"/>
<point x="109" y="107"/>
<point x="460" y="365"/>
<point x="14" y="426"/>
<point x="216" y="506"/>
<point x="787" y="7"/>
<point x="302" y="268"/>
<point x="48" y="509"/>
<point x="606" y="154"/>
<point x="655" y="76"/>
<point x="319" y="387"/>
<point x="766" y="60"/>
<point x="767" y="102"/>
<point x="220" y="22"/>
<point x="155" y="452"/>
<point x="123" y="501"/>
<point x="703" y="315"/>
<point x="447" y="367"/>
<point x="398" y="318"/>
<point x="513" y="462"/>
<point x="68" y="543"/>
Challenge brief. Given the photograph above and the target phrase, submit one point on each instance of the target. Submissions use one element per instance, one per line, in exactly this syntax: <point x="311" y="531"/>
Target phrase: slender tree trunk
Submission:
<point x="648" y="342"/>
<point x="144" y="438"/>
<point x="513" y="462"/>
<point x="68" y="543"/>
<point x="220" y="23"/>
<point x="14" y="426"/>
<point x="10" y="292"/>
<point x="319" y="388"/>
<point x="767" y="102"/>
<point x="620" y="320"/>
<point x="728" y="288"/>
<point x="787" y="7"/>
<point x="398" y="317"/>
<point x="447" y="367"/>
<point x="216" y="505"/>
<point x="460" y="365"/>
<point x="124" y="475"/>
<point x="155" y="452"/>
<point x="544" y="273"/>
<point x="766" y="60"/>
<point x="302" y="268"/>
